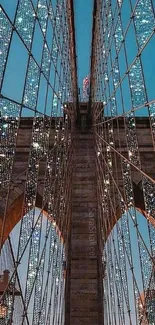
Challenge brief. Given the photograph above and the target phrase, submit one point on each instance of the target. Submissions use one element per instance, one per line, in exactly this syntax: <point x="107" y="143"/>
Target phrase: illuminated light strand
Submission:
<point x="62" y="90"/>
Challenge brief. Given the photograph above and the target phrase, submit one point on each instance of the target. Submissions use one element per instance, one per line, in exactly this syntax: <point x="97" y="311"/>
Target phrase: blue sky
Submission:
<point x="83" y="31"/>
<point x="18" y="58"/>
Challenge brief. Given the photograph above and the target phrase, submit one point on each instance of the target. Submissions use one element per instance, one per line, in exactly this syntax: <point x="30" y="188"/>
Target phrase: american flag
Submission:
<point x="86" y="86"/>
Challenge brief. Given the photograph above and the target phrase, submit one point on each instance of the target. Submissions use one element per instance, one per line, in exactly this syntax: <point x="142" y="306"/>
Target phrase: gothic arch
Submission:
<point x="14" y="215"/>
<point x="139" y="205"/>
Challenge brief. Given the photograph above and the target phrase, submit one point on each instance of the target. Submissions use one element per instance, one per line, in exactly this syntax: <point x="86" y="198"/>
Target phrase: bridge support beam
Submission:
<point x="84" y="302"/>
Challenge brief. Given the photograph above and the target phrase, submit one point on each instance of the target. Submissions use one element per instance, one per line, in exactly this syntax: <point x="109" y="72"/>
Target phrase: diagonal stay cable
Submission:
<point x="14" y="262"/>
<point x="147" y="104"/>
<point x="133" y="220"/>
<point x="41" y="211"/>
<point x="131" y="267"/>
<point x="42" y="253"/>
<point x="127" y="209"/>
<point x="25" y="170"/>
<point x="127" y="160"/>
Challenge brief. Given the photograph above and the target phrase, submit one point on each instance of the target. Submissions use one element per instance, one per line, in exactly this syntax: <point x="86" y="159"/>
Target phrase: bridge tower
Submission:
<point x="77" y="179"/>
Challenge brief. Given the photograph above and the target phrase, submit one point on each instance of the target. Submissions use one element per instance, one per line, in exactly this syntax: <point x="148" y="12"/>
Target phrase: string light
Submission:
<point x="118" y="82"/>
<point x="56" y="192"/>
